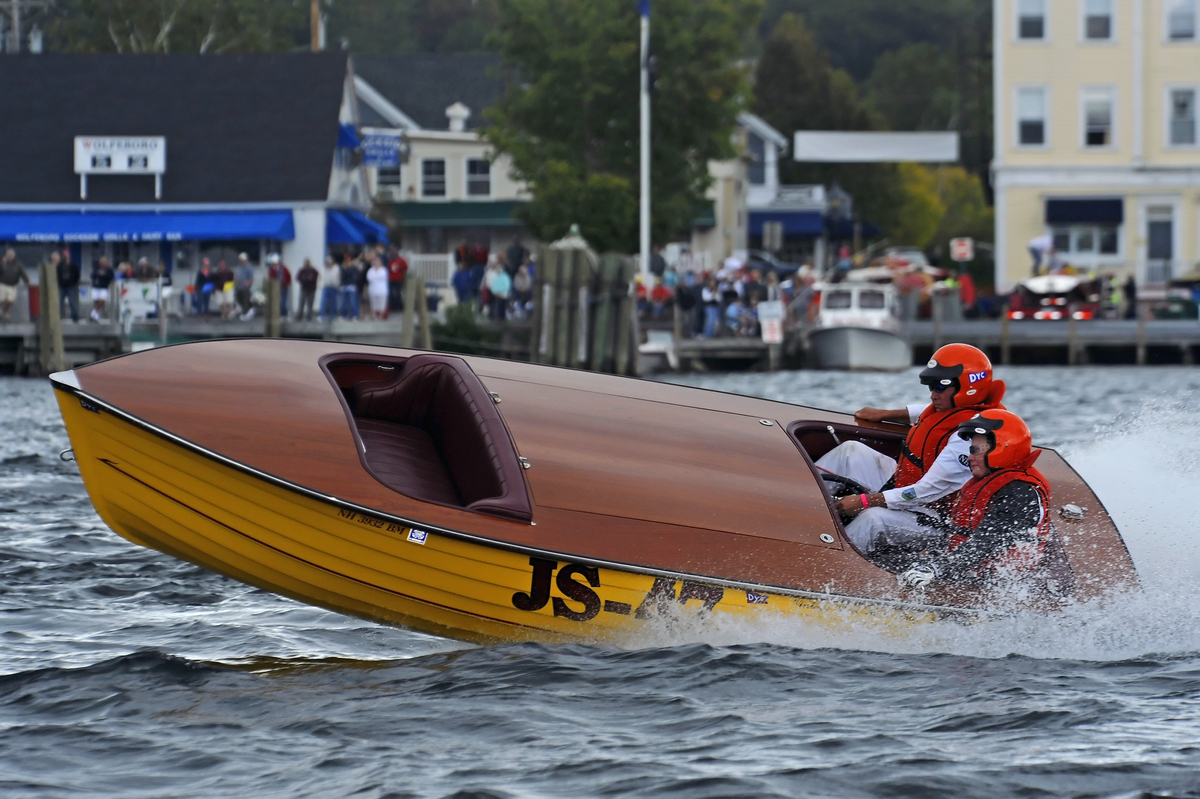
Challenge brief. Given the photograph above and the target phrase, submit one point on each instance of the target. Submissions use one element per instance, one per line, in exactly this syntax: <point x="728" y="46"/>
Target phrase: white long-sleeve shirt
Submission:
<point x="948" y="474"/>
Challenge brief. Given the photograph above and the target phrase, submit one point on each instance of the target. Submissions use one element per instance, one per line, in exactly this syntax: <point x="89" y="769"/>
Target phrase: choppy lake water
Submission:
<point x="126" y="673"/>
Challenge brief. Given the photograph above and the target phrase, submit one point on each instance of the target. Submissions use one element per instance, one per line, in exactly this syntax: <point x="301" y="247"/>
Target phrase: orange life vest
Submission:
<point x="928" y="437"/>
<point x="971" y="506"/>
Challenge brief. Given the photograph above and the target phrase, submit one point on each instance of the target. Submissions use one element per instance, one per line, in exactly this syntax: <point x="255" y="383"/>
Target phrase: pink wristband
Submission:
<point x="863" y="497"/>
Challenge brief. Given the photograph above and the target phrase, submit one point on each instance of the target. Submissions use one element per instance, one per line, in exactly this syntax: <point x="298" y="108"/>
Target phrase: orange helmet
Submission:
<point x="963" y="367"/>
<point x="1008" y="434"/>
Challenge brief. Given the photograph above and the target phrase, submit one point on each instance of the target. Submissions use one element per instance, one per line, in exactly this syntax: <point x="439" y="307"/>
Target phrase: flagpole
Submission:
<point x="644" y="10"/>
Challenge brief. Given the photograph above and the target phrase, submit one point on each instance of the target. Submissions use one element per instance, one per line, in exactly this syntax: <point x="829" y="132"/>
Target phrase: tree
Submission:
<point x="571" y="123"/>
<point x="913" y="88"/>
<point x="179" y="26"/>
<point x="921" y="208"/>
<point x="797" y="89"/>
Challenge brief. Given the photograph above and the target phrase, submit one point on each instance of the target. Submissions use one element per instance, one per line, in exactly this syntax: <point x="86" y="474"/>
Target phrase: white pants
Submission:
<point x="860" y="463"/>
<point x="875" y="526"/>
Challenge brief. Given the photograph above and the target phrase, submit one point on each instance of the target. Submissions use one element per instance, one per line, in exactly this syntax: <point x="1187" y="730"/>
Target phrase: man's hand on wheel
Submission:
<point x="851" y="505"/>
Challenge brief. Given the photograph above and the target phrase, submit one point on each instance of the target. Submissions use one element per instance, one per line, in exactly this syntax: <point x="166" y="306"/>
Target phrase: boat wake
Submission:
<point x="1146" y="469"/>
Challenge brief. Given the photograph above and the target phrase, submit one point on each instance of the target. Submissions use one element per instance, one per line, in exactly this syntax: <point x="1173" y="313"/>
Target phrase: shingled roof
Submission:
<point x="239" y="128"/>
<point x="424" y="85"/>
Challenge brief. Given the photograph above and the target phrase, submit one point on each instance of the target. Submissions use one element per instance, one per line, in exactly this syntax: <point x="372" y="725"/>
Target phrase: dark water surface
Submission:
<point x="126" y="673"/>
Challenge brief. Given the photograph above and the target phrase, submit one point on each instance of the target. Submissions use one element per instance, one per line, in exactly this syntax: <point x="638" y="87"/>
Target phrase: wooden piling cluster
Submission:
<point x="583" y="314"/>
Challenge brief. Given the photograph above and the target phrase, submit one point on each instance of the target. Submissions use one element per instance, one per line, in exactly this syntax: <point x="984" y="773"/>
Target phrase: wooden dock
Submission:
<point x="1024" y="342"/>
<point x="1158" y="341"/>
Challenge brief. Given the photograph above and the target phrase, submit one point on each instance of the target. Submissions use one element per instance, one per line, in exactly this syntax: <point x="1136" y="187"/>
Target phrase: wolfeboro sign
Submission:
<point x="120" y="155"/>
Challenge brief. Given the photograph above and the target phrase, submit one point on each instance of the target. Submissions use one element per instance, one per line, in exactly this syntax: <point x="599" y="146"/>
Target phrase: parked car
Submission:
<point x="765" y="262"/>
<point x="1056" y="297"/>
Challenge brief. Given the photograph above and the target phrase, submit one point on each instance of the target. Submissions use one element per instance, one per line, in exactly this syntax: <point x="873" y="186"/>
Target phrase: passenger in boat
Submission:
<point x="904" y="500"/>
<point x="1000" y="521"/>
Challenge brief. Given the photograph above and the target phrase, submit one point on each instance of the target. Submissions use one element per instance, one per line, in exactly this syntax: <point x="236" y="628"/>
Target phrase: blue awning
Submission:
<point x="1094" y="211"/>
<point x="795" y="223"/>
<point x="55" y="226"/>
<point x="353" y="227"/>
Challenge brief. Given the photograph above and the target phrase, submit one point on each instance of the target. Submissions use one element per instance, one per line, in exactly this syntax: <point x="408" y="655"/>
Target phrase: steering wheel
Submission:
<point x="844" y="486"/>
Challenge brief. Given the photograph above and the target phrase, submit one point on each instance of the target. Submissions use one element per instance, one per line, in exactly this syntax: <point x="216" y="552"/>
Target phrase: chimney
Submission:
<point x="458" y="114"/>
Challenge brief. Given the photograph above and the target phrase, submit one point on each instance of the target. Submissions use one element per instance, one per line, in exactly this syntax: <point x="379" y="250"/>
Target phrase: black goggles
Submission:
<point x="979" y="426"/>
<point x="938" y="385"/>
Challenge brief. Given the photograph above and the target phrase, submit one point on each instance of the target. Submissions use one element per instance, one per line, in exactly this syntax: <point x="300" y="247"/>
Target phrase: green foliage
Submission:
<point x="913" y="88"/>
<point x="797" y="89"/>
<point x="462" y="332"/>
<point x="178" y="26"/>
<point x="967" y="211"/>
<point x="571" y="126"/>
<point x="921" y="209"/>
<point x="855" y="32"/>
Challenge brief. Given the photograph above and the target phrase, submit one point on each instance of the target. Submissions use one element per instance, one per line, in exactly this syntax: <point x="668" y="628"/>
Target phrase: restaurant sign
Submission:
<point x="120" y="155"/>
<point x="106" y="155"/>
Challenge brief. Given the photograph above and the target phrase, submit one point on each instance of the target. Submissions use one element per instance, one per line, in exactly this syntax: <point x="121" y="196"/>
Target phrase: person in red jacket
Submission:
<point x="1000" y="521"/>
<point x="902" y="501"/>
<point x="397" y="271"/>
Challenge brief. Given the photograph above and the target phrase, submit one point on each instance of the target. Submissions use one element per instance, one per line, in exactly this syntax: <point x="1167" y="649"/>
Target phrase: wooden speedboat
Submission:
<point x="488" y="499"/>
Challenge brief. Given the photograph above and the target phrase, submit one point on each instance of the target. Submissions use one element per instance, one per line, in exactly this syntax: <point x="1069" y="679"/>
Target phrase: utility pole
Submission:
<point x="644" y="11"/>
<point x="15" y="7"/>
<point x="315" y="24"/>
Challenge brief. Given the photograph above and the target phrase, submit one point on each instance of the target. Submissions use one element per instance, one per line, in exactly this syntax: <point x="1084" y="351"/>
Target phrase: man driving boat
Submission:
<point x="933" y="464"/>
<point x="1000" y="520"/>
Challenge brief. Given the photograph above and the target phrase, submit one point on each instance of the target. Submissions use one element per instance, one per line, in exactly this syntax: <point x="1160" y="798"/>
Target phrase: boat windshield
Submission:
<point x="837" y="300"/>
<point x="872" y="300"/>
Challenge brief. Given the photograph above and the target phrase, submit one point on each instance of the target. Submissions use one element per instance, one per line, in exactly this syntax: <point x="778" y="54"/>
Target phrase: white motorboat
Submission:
<point x="858" y="328"/>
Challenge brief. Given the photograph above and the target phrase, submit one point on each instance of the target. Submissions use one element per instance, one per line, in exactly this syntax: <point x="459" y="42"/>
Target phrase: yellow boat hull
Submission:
<point x="159" y="492"/>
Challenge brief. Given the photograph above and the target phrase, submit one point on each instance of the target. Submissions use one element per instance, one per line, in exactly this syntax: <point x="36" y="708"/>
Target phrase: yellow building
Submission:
<point x="1096" y="136"/>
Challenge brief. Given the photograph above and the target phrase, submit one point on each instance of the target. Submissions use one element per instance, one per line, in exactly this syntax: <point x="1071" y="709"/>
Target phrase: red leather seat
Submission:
<point x="433" y="433"/>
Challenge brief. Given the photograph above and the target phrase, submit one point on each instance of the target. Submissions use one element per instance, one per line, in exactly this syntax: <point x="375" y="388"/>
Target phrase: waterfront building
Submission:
<point x="1096" y="141"/>
<point x="248" y="153"/>
<point x="447" y="185"/>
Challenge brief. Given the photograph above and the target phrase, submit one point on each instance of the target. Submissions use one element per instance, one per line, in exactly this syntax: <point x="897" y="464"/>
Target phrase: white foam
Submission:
<point x="1146" y="470"/>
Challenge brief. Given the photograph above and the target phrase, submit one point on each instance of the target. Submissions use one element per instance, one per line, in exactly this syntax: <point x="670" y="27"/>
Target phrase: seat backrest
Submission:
<point x="441" y="395"/>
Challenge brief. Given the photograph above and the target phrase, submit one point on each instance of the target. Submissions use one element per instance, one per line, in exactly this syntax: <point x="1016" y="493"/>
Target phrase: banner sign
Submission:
<point x="770" y="319"/>
<point x="381" y="149"/>
<point x="125" y="155"/>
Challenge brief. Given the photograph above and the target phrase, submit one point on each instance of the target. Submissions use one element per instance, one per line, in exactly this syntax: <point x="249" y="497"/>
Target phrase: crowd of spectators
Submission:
<point x="500" y="284"/>
<point x="715" y="303"/>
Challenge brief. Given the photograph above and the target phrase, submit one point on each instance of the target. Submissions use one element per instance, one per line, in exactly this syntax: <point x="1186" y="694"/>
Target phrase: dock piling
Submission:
<point x="1141" y="338"/>
<point x="50" y="332"/>
<point x="274" y="322"/>
<point x="410" y="311"/>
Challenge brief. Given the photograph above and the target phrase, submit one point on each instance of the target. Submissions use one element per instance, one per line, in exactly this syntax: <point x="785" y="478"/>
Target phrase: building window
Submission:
<point x="479" y="177"/>
<point x="433" y="178"/>
<point x="1087" y="240"/>
<point x="1097" y="20"/>
<point x="1031" y="19"/>
<point x="1181" y="20"/>
<point x="1183" y="117"/>
<point x="756" y="170"/>
<point x="1097" y="118"/>
<point x="388" y="176"/>
<point x="1031" y="117"/>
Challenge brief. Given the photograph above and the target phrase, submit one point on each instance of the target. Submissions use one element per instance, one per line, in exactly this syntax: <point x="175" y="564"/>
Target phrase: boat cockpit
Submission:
<point x="427" y="428"/>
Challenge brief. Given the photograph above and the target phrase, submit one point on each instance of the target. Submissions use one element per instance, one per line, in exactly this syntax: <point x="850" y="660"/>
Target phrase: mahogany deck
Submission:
<point x="629" y="471"/>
